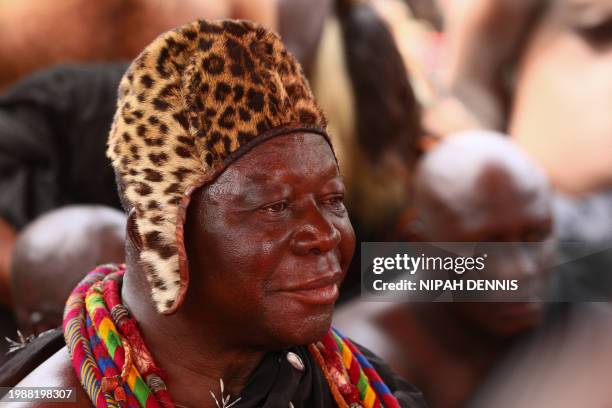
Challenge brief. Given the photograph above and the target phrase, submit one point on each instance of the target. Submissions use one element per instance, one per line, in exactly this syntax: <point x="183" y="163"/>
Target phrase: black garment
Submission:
<point x="23" y="362"/>
<point x="53" y="131"/>
<point x="8" y="328"/>
<point x="275" y="383"/>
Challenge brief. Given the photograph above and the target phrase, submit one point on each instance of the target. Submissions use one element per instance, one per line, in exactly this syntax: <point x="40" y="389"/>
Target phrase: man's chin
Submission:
<point x="308" y="330"/>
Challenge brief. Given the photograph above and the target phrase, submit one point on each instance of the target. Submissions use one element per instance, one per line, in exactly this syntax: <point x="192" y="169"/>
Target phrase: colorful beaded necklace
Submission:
<point x="116" y="369"/>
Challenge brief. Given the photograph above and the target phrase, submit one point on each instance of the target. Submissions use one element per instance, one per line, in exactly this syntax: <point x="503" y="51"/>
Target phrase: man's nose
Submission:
<point x="315" y="234"/>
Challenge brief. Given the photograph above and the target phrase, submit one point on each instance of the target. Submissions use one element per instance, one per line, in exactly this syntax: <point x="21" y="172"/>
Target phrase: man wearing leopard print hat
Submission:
<point x="238" y="240"/>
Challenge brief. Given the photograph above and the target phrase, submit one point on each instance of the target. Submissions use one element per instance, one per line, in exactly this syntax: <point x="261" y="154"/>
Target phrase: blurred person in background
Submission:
<point x="473" y="187"/>
<point x="51" y="254"/>
<point x="36" y="33"/>
<point x="540" y="71"/>
<point x="48" y="261"/>
<point x="53" y="128"/>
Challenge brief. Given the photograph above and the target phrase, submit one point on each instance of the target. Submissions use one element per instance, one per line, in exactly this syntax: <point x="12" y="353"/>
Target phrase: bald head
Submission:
<point x="478" y="186"/>
<point x="54" y="252"/>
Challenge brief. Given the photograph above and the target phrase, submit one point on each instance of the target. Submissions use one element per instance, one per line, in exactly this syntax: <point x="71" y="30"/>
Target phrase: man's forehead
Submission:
<point x="278" y="175"/>
<point x="281" y="176"/>
<point x="267" y="169"/>
<point x="297" y="154"/>
<point x="492" y="191"/>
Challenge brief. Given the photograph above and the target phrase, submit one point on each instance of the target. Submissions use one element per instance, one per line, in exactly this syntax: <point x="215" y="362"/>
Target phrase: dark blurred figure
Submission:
<point x="51" y="254"/>
<point x="53" y="130"/>
<point x="37" y="33"/>
<point x="473" y="187"/>
<point x="8" y="330"/>
<point x="8" y="326"/>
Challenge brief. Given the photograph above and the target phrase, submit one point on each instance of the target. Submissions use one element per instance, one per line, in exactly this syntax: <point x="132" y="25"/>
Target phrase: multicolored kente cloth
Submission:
<point x="116" y="369"/>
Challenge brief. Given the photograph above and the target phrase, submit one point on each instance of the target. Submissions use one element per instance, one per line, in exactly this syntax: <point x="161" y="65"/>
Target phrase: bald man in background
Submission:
<point x="48" y="261"/>
<point x="51" y="254"/>
<point x="473" y="187"/>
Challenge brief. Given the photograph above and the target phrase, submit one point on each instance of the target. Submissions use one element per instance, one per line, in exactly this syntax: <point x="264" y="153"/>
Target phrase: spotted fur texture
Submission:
<point x="192" y="101"/>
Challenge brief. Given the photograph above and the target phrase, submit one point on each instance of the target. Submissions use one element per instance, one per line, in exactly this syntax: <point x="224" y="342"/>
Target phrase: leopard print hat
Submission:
<point x="196" y="99"/>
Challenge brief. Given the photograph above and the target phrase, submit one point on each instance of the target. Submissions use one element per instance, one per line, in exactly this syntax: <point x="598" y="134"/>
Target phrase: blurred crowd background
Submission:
<point x="453" y="120"/>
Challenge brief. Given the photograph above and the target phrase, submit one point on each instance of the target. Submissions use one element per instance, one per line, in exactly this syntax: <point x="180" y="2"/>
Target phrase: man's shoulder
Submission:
<point x="56" y="372"/>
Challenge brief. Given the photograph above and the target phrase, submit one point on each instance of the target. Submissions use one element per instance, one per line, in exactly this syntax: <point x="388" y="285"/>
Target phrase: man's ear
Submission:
<point x="132" y="230"/>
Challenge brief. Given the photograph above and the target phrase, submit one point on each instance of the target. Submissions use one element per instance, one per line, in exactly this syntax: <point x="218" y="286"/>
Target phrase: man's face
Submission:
<point x="502" y="208"/>
<point x="269" y="243"/>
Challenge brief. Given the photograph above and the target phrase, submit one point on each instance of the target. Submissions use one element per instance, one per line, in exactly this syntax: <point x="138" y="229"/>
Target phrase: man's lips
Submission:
<point x="319" y="291"/>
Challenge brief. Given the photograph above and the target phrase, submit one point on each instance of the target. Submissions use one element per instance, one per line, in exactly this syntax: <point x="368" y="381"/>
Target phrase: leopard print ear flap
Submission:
<point x="193" y="101"/>
<point x="132" y="230"/>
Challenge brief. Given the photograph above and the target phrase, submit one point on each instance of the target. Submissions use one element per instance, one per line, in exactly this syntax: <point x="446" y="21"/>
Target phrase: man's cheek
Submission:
<point x="347" y="245"/>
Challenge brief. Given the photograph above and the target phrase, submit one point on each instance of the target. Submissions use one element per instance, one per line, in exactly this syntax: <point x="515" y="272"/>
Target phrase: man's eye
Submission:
<point x="336" y="201"/>
<point x="276" y="207"/>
